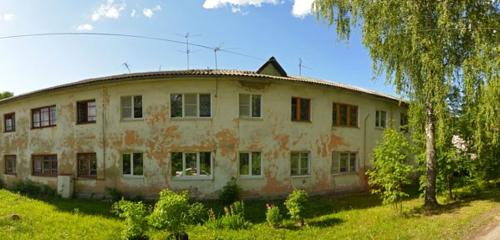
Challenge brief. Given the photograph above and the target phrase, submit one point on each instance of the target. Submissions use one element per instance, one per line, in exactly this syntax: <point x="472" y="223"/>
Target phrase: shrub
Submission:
<point x="2" y="185"/>
<point x="197" y="213"/>
<point x="135" y="214"/>
<point x="273" y="215"/>
<point x="30" y="188"/>
<point x="230" y="192"/>
<point x="171" y="212"/>
<point x="114" y="194"/>
<point x="233" y="218"/>
<point x="295" y="203"/>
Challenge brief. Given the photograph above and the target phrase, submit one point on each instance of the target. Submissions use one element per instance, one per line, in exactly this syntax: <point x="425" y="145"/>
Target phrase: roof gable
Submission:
<point x="273" y="68"/>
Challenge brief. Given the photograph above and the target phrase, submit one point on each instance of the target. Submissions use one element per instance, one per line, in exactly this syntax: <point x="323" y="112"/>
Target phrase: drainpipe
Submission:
<point x="365" y="154"/>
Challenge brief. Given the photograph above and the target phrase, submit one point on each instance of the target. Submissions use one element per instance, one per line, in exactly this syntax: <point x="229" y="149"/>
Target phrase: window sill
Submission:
<point x="344" y="174"/>
<point x="346" y="127"/>
<point x="190" y="118"/>
<point x="45" y="176"/>
<point x="301" y="176"/>
<point x="302" y="121"/>
<point x="133" y="176"/>
<point x="35" y="128"/>
<point x="13" y="131"/>
<point x="252" y="118"/>
<point x="85" y="123"/>
<point x="192" y="178"/>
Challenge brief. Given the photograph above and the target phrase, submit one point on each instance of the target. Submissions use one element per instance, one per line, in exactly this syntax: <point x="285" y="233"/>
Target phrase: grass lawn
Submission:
<point x="353" y="217"/>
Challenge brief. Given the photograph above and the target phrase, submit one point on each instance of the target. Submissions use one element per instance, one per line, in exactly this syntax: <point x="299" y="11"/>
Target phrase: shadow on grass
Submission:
<point x="325" y="222"/>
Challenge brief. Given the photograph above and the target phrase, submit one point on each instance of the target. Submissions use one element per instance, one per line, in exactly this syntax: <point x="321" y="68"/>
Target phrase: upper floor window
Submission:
<point x="250" y="105"/>
<point x="86" y="112"/>
<point x="344" y="162"/>
<point x="132" y="164"/>
<point x="380" y="119"/>
<point x="191" y="164"/>
<point x="87" y="165"/>
<point x="250" y="164"/>
<point x="10" y="164"/>
<point x="299" y="163"/>
<point x="301" y="109"/>
<point x="403" y="122"/>
<point x="131" y="107"/>
<point x="190" y="105"/>
<point x="45" y="165"/>
<point x="9" y="122"/>
<point x="345" y="115"/>
<point x="43" y="117"/>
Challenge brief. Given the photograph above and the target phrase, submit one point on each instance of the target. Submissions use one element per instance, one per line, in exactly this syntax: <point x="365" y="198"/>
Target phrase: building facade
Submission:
<point x="195" y="130"/>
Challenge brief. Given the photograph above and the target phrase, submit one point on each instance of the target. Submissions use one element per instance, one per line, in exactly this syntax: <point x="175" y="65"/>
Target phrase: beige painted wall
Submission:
<point x="225" y="134"/>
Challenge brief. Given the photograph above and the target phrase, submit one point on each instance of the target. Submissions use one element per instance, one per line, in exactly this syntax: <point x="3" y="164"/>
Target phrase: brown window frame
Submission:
<point x="52" y="122"/>
<point x="87" y="158"/>
<point x="12" y="169"/>
<point x="297" y="116"/>
<point x="7" y="116"/>
<point x="336" y="110"/>
<point x="45" y="157"/>
<point x="82" y="112"/>
<point x="403" y="122"/>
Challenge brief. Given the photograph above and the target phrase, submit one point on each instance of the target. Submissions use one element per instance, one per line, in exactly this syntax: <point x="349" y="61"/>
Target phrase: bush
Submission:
<point x="2" y="185"/>
<point x="197" y="213"/>
<point x="233" y="218"/>
<point x="273" y="216"/>
<point x="172" y="212"/>
<point x="230" y="192"/>
<point x="33" y="189"/>
<point x="135" y="214"/>
<point x="114" y="194"/>
<point x="295" y="203"/>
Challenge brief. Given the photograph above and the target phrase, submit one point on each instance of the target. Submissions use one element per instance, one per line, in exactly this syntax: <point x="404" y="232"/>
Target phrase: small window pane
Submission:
<point x="205" y="163"/>
<point x="53" y="116"/>
<point x="138" y="164"/>
<point x="127" y="164"/>
<point x="295" y="164"/>
<point x="244" y="164"/>
<point x="343" y="115"/>
<point x="343" y="162"/>
<point x="383" y="116"/>
<point x="334" y="115"/>
<point x="377" y="118"/>
<point x="190" y="105"/>
<point x="294" y="109"/>
<point x="335" y="162"/>
<point x="205" y="105"/>
<point x="126" y="103"/>
<point x="256" y="163"/>
<point x="137" y="106"/>
<point x="352" y="162"/>
<point x="305" y="109"/>
<point x="36" y="119"/>
<point x="91" y="111"/>
<point x="304" y="164"/>
<point x="176" y="161"/>
<point x="191" y="169"/>
<point x="256" y="107"/>
<point x="244" y="105"/>
<point x="353" y="116"/>
<point x="176" y="105"/>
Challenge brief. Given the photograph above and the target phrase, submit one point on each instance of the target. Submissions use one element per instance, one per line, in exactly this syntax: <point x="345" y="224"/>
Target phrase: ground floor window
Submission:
<point x="344" y="162"/>
<point x="45" y="165"/>
<point x="132" y="164"/>
<point x="87" y="165"/>
<point x="250" y="164"/>
<point x="10" y="164"/>
<point x="300" y="163"/>
<point x="191" y="164"/>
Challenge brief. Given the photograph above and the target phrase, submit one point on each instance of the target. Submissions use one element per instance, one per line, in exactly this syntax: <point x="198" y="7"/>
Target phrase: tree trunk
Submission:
<point x="430" y="152"/>
<point x="450" y="186"/>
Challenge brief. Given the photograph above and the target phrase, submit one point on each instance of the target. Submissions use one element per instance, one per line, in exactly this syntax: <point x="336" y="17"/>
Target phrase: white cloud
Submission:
<point x="132" y="14"/>
<point x="302" y="8"/>
<point x="110" y="9"/>
<point x="7" y="17"/>
<point x="149" y="12"/>
<point x="235" y="4"/>
<point x="85" y="27"/>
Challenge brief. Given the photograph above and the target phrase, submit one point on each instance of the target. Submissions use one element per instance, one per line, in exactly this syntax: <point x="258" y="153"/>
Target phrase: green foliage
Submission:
<point x="6" y="95"/>
<point x="171" y="212"/>
<point x="273" y="215"/>
<point x="197" y="213"/>
<point x="230" y="192"/>
<point x="114" y="194"/>
<point x="33" y="189"/>
<point x="392" y="169"/>
<point x="233" y="218"/>
<point x="296" y="203"/>
<point x="135" y="215"/>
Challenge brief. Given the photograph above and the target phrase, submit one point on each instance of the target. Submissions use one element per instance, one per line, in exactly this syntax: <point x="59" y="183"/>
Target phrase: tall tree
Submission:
<point x="5" y="95"/>
<point x="423" y="47"/>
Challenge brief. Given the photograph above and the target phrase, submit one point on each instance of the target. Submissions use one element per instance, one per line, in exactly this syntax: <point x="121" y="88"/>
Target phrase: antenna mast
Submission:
<point x="302" y="66"/>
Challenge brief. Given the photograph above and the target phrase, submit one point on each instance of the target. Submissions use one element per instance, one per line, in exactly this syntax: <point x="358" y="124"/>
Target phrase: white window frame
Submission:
<point x="299" y="163"/>
<point x="197" y="106"/>
<point x="378" y="121"/>
<point x="198" y="176"/>
<point x="132" y="106"/>
<point x="132" y="165"/>
<point x="250" y="164"/>
<point x="250" y="106"/>
<point x="336" y="157"/>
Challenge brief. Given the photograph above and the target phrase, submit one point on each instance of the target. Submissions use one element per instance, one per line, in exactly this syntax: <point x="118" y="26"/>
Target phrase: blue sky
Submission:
<point x="261" y="28"/>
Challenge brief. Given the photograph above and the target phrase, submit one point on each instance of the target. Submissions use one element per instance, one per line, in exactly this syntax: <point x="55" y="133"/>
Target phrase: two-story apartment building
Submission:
<point x="195" y="130"/>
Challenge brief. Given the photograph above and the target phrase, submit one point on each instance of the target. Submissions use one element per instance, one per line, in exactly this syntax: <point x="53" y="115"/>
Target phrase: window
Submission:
<point x="10" y="164"/>
<point x="131" y="107"/>
<point x="250" y="164"/>
<point x="343" y="162"/>
<point x="132" y="164"/>
<point x="250" y="105"/>
<point x="190" y="105"/>
<point x="299" y="163"/>
<point x="191" y="164"/>
<point x="43" y="117"/>
<point x="87" y="165"/>
<point x="301" y="109"/>
<point x="380" y="119"/>
<point x="345" y="115"/>
<point x="45" y="165"/>
<point x="403" y="122"/>
<point x="86" y="112"/>
<point x="9" y="122"/>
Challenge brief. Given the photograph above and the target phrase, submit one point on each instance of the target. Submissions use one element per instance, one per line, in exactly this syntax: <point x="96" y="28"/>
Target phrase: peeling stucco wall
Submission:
<point x="225" y="134"/>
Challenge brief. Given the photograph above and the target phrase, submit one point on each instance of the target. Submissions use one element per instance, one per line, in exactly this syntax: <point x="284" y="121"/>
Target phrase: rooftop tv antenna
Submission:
<point x="188" y="49"/>
<point x="218" y="49"/>
<point x="301" y="66"/>
<point x="125" y="64"/>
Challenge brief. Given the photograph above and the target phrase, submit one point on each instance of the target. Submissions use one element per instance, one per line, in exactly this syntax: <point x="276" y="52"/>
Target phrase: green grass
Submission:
<point x="353" y="217"/>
